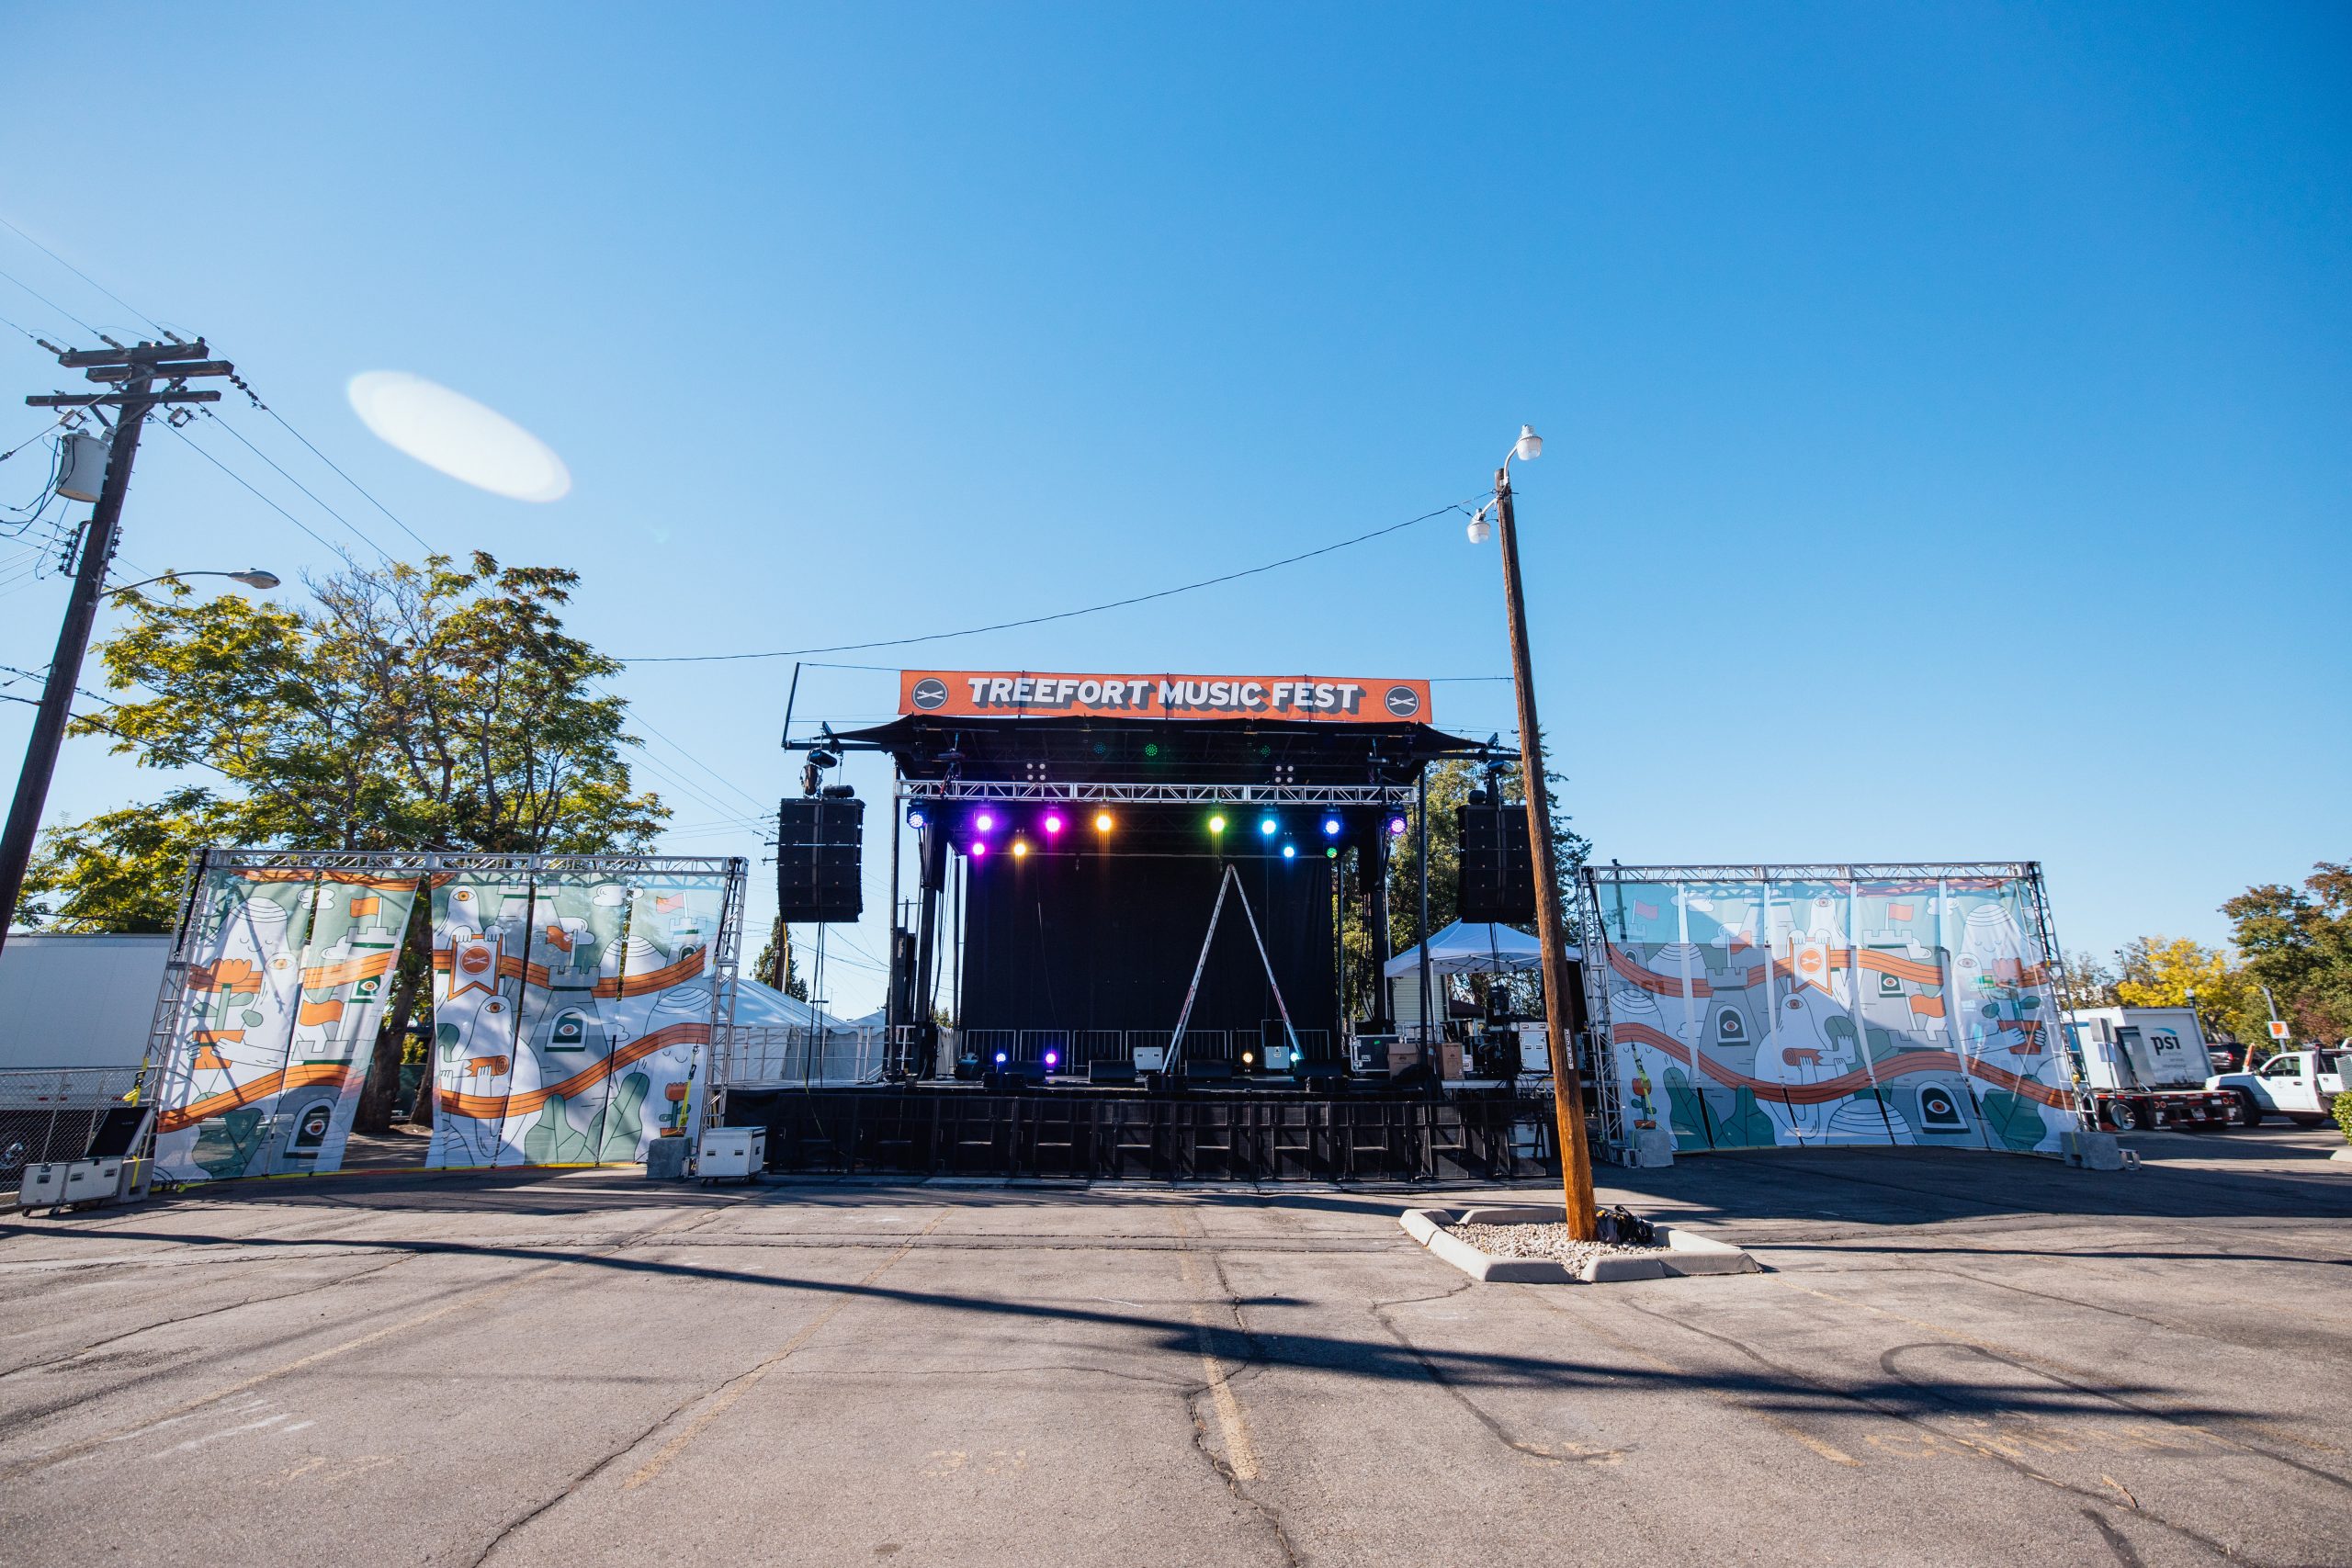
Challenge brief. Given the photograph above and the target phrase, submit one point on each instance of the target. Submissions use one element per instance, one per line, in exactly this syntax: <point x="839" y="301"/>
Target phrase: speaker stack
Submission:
<point x="1497" y="871"/>
<point x="819" y="839"/>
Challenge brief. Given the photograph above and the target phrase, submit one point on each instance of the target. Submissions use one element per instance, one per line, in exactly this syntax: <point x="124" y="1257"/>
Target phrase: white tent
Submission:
<point x="758" y="1006"/>
<point x="1458" y="948"/>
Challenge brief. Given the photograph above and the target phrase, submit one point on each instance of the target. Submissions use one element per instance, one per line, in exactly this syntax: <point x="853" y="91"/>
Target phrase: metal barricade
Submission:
<point x="50" y="1113"/>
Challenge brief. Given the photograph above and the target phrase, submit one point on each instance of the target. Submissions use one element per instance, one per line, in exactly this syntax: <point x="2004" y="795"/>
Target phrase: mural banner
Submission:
<point x="571" y="1013"/>
<point x="1812" y="1008"/>
<point x="289" y="975"/>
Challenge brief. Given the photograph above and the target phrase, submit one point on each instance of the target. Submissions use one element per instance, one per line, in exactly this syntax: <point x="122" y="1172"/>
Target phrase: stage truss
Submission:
<point x="1719" y="1016"/>
<point x="732" y="872"/>
<point x="1391" y="797"/>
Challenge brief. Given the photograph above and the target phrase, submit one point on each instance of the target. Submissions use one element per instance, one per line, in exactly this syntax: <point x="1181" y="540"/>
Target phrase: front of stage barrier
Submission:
<point x="1072" y="1134"/>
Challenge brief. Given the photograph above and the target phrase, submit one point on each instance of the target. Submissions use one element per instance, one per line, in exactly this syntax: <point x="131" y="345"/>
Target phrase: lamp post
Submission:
<point x="1567" y="1086"/>
<point x="252" y="577"/>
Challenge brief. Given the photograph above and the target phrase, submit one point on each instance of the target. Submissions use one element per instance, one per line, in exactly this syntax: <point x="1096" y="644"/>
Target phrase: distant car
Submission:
<point x="2299" y="1084"/>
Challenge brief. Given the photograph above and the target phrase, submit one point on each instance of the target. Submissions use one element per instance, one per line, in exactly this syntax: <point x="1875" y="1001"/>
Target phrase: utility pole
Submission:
<point x="1567" y="1086"/>
<point x="134" y="372"/>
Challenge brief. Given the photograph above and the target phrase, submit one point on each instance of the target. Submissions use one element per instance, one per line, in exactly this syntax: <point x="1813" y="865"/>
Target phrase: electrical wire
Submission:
<point x="1454" y="506"/>
<point x="87" y="278"/>
<point x="298" y="484"/>
<point x="265" y="500"/>
<point x="52" y="305"/>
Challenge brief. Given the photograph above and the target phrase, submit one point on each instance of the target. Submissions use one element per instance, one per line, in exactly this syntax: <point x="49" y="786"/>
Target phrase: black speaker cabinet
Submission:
<point x="818" y="841"/>
<point x="1497" y="871"/>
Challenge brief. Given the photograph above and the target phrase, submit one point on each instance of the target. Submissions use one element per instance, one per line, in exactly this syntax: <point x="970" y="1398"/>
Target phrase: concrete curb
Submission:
<point x="2345" y="1155"/>
<point x="1689" y="1253"/>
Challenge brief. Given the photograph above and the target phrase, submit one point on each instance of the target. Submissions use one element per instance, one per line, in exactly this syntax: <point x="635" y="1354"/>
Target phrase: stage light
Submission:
<point x="1000" y="1058"/>
<point x="1395" y="827"/>
<point x="985" y="823"/>
<point x="1053" y="821"/>
<point x="979" y="847"/>
<point x="1102" y="821"/>
<point x="1151" y="748"/>
<point x="1290" y="851"/>
<point x="1331" y="852"/>
<point x="1217" y="823"/>
<point x="1267" y="826"/>
<point x="1053" y="1060"/>
<point x="916" y="819"/>
<point x="1020" y="847"/>
<point x="1248" y="1057"/>
<point x="1331" y="827"/>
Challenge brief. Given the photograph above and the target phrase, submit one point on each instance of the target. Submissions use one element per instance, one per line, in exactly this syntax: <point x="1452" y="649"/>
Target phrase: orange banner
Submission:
<point x="1024" y="693"/>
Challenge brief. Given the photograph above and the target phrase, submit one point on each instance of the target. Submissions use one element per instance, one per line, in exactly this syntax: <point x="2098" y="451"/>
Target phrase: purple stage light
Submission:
<point x="1395" y="827"/>
<point x="979" y="847"/>
<point x="1053" y="1058"/>
<point x="1052" y="822"/>
<point x="985" y="823"/>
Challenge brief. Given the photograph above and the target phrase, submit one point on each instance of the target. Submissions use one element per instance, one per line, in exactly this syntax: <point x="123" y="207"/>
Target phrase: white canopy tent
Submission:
<point x="1459" y="948"/>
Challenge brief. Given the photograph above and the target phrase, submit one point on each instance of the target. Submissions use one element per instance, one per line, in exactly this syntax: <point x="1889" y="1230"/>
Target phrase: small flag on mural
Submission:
<point x="365" y="904"/>
<point x="667" y="903"/>
<point x="1646" y="911"/>
<point x="1898" y="911"/>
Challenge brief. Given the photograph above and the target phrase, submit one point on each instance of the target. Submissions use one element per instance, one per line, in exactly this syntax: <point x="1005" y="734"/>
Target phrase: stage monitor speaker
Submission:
<point x="817" y="854"/>
<point x="1498" y="872"/>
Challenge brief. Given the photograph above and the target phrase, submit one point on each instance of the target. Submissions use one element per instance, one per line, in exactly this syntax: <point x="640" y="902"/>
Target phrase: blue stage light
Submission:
<point x="1290" y="851"/>
<point x="1331" y="827"/>
<point x="916" y="819"/>
<point x="1053" y="1059"/>
<point x="1000" y="1058"/>
<point x="1267" y="826"/>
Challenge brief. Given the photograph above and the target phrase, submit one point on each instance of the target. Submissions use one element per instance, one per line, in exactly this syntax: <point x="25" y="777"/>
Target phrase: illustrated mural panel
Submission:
<point x="288" y="975"/>
<point x="572" y="1014"/>
<point x="1748" y="1013"/>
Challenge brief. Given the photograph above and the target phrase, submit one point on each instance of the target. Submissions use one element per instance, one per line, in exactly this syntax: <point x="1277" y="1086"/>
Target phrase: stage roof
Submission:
<point x="1096" y="749"/>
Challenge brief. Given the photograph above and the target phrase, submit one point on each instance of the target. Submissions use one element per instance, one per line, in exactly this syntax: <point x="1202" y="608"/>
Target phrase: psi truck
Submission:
<point x="2144" y="1067"/>
<point x="2299" y="1084"/>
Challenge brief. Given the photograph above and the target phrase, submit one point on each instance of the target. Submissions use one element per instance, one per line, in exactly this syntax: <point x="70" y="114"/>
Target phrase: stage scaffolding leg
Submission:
<point x="931" y="849"/>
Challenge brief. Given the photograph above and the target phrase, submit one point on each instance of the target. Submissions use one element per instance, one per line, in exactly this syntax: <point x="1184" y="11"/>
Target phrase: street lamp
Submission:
<point x="252" y="577"/>
<point x="1567" y="1086"/>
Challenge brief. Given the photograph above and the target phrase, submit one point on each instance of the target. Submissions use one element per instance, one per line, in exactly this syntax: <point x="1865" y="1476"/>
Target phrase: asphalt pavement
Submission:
<point x="1950" y="1359"/>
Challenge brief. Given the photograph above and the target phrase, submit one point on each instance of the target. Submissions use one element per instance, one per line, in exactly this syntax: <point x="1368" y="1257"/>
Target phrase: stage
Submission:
<point x="1367" y="1132"/>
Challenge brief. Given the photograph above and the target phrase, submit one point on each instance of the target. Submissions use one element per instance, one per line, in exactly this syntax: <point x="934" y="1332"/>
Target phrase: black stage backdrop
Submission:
<point x="1071" y="941"/>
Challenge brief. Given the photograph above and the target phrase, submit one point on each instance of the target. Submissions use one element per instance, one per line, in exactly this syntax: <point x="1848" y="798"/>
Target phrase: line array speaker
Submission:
<point x="1497" y="871"/>
<point x="818" y="842"/>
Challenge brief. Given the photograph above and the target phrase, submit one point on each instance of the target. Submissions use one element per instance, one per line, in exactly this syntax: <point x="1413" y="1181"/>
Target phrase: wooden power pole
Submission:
<point x="1567" y="1086"/>
<point x="134" y="372"/>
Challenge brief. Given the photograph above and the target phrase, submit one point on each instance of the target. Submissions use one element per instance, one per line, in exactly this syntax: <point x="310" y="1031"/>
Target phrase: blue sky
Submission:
<point x="1946" y="405"/>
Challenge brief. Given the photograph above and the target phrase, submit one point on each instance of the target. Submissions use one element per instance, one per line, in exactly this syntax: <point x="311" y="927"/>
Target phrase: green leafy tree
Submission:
<point x="407" y="707"/>
<point x="2162" y="972"/>
<point x="779" y="944"/>
<point x="2299" y="943"/>
<point x="1450" y="783"/>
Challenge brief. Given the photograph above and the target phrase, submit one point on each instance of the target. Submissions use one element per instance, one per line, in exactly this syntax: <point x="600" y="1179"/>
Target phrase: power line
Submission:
<point x="52" y="305"/>
<point x="265" y="500"/>
<point x="298" y="484"/>
<point x="87" y="278"/>
<point x="1058" y="616"/>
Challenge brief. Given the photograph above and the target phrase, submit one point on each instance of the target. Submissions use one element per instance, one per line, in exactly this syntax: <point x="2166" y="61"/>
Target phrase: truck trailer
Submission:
<point x="2142" y="1067"/>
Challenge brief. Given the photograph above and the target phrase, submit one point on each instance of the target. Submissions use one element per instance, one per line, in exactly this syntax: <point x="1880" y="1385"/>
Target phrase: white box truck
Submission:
<point x="2141" y="1067"/>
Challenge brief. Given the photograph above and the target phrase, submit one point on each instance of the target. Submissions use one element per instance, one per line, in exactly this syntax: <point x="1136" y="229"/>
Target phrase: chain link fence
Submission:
<point x="50" y="1113"/>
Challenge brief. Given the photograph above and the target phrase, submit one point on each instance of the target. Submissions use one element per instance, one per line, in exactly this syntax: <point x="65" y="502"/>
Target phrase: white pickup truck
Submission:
<point x="2299" y="1084"/>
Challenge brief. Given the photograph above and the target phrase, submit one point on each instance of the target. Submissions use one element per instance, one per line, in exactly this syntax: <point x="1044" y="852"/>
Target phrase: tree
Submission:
<point x="2300" y="945"/>
<point x="2084" y="982"/>
<point x="408" y="707"/>
<point x="121" y="870"/>
<point x="1451" y="781"/>
<point x="2162" y="971"/>
<point x="780" y="939"/>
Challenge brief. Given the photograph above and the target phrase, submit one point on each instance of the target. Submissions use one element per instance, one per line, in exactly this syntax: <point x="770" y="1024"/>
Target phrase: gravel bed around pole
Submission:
<point x="1552" y="1241"/>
